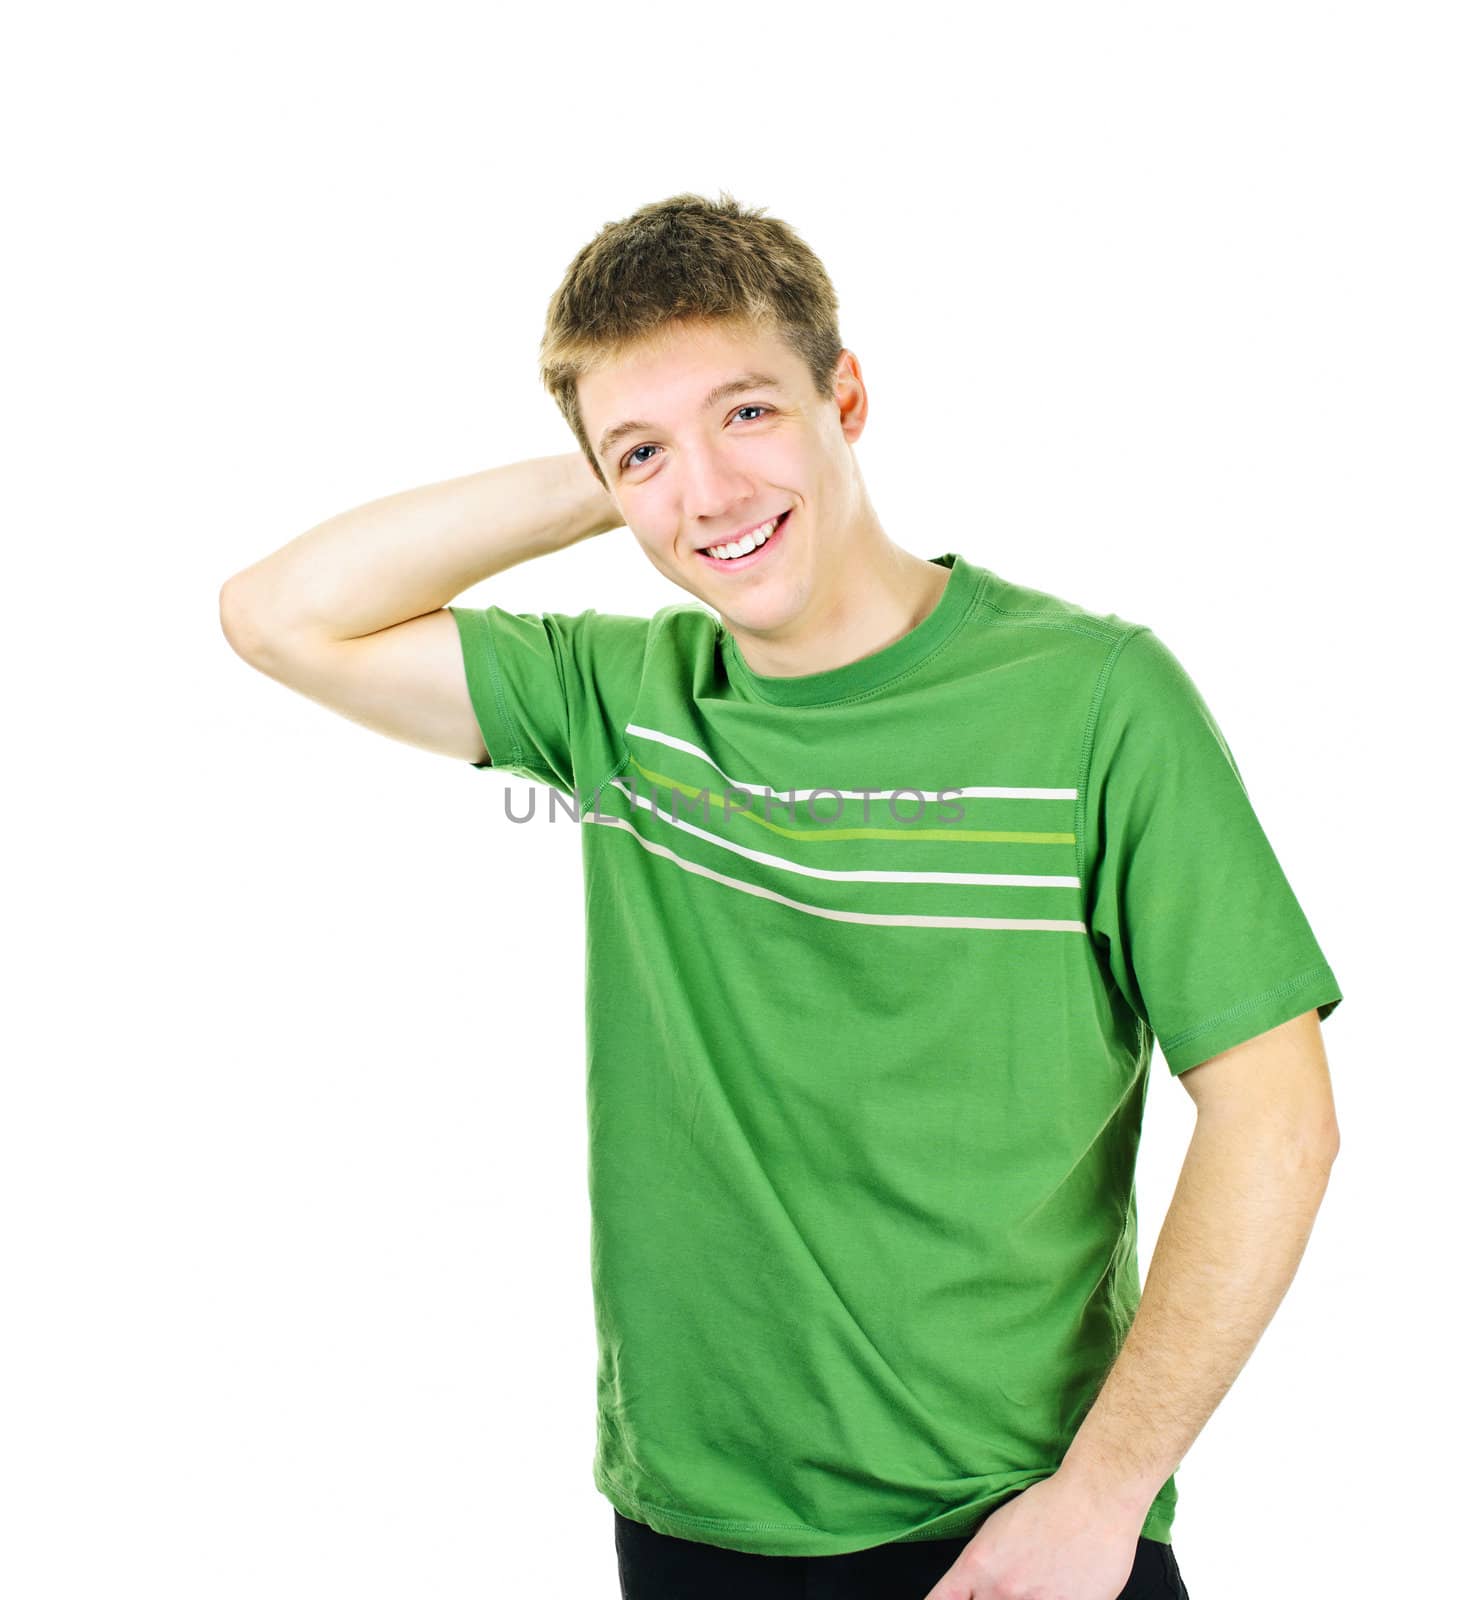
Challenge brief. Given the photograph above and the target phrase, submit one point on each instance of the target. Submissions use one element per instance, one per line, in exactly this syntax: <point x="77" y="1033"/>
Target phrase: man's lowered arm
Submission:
<point x="1241" y="1215"/>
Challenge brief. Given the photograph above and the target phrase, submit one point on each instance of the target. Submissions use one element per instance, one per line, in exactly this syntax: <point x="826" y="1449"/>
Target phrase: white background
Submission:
<point x="1158" y="311"/>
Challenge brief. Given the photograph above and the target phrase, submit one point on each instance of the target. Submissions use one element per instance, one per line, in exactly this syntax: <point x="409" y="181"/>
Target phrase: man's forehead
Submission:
<point x="706" y="351"/>
<point x="692" y="370"/>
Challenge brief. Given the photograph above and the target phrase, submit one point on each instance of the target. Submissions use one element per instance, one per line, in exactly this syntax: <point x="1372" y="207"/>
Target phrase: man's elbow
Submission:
<point x="1317" y="1144"/>
<point x="241" y="619"/>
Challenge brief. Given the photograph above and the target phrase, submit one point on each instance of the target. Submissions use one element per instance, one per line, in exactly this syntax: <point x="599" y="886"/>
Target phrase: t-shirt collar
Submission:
<point x="868" y="672"/>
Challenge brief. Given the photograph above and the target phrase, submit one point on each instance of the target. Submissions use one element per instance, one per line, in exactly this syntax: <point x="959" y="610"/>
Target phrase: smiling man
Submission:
<point x="762" y="513"/>
<point x="896" y="873"/>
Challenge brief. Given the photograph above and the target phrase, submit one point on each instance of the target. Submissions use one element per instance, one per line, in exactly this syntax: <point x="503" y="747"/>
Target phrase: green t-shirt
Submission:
<point x="876" y="959"/>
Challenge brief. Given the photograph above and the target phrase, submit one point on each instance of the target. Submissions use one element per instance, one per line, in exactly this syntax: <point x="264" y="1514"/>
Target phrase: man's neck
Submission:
<point x="886" y="598"/>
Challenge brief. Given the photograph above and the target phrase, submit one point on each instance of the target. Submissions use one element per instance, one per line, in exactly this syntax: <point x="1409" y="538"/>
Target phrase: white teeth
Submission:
<point x="757" y="536"/>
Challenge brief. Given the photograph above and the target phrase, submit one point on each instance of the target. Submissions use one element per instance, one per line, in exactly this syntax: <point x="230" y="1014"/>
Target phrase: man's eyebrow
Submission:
<point x="722" y="391"/>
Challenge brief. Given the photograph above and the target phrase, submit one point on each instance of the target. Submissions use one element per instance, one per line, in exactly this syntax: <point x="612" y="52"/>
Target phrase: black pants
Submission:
<point x="655" y="1566"/>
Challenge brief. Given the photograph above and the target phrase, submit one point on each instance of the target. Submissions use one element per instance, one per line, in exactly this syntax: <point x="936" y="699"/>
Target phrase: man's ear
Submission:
<point x="851" y="396"/>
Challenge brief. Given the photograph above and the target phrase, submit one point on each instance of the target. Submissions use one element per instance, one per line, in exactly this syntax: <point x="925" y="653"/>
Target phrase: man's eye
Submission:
<point x="629" y="460"/>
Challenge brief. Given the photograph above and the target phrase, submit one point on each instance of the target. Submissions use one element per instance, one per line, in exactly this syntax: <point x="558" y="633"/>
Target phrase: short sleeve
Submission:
<point x="1185" y="898"/>
<point x="552" y="691"/>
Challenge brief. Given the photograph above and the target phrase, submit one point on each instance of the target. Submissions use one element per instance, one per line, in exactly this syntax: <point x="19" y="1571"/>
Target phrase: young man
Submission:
<point x="895" y="871"/>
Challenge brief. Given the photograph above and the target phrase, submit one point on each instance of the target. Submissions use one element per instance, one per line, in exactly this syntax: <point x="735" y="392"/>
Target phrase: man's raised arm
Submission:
<point x="351" y="613"/>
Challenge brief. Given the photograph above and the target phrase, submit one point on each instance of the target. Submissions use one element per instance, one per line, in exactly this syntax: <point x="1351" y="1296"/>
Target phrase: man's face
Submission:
<point x="690" y="475"/>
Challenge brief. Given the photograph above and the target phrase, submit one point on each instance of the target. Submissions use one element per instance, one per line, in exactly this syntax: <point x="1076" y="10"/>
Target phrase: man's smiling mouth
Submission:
<point x="737" y="555"/>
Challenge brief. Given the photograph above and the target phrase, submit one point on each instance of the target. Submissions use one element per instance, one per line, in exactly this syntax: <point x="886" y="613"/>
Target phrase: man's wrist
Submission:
<point x="1104" y="1485"/>
<point x="597" y="512"/>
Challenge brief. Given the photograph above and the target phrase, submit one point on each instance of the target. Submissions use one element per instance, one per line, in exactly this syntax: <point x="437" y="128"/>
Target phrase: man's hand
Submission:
<point x="1054" y="1541"/>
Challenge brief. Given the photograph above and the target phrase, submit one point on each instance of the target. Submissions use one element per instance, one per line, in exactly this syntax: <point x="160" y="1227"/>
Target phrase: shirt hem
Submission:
<point x="797" y="1539"/>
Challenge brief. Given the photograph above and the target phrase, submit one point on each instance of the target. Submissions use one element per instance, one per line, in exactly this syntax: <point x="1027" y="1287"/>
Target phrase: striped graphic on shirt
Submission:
<point x="757" y="852"/>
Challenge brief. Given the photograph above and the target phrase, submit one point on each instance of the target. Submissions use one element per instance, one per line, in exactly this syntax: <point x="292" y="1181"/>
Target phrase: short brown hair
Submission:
<point x="685" y="259"/>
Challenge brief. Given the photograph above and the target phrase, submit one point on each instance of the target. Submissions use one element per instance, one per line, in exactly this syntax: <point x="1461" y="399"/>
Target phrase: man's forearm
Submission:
<point x="410" y="553"/>
<point x="1240" y="1218"/>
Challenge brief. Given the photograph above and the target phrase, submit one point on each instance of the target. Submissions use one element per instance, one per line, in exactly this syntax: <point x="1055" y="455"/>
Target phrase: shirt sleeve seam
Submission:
<point x="514" y="758"/>
<point x="1088" y="745"/>
<point x="1175" y="1041"/>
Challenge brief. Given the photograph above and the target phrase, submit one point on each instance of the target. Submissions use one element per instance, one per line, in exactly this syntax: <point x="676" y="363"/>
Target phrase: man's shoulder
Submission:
<point x="682" y="623"/>
<point x="599" y="630"/>
<point x="1056" y="628"/>
<point x="1026" y="605"/>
